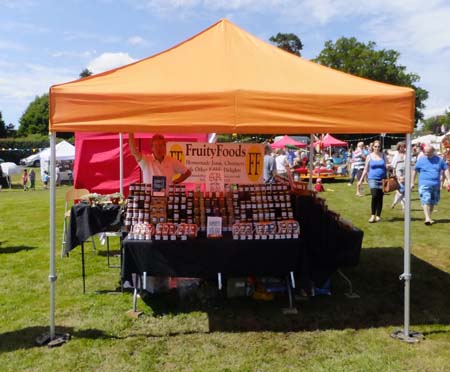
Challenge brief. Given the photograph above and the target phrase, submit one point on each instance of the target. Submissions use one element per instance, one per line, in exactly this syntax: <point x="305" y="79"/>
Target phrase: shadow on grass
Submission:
<point x="436" y="220"/>
<point x="15" y="249"/>
<point x="376" y="280"/>
<point x="441" y="220"/>
<point x="26" y="338"/>
<point x="396" y="219"/>
<point x="112" y="253"/>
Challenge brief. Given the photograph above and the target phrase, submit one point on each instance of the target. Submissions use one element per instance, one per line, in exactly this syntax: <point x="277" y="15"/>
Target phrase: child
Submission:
<point x="318" y="187"/>
<point x="400" y="193"/>
<point x="25" y="180"/>
<point x="45" y="179"/>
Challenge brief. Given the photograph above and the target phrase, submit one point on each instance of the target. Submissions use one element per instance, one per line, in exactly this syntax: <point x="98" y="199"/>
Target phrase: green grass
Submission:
<point x="329" y="333"/>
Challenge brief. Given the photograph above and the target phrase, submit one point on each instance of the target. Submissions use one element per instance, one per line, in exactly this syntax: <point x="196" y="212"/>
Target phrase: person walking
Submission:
<point x="358" y="162"/>
<point x="25" y="180"/>
<point x="32" y="177"/>
<point x="57" y="176"/>
<point x="430" y="168"/>
<point x="398" y="167"/>
<point x="375" y="169"/>
<point x="270" y="167"/>
<point x="45" y="179"/>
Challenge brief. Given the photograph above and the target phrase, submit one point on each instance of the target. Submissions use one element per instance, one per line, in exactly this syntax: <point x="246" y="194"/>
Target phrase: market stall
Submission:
<point x="287" y="141"/>
<point x="65" y="155"/>
<point x="227" y="81"/>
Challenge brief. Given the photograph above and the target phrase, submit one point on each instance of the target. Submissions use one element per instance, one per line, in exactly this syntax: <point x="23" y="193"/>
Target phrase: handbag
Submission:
<point x="389" y="184"/>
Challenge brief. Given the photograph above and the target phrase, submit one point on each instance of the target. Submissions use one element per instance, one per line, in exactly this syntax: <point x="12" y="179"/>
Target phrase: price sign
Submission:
<point x="214" y="227"/>
<point x="215" y="181"/>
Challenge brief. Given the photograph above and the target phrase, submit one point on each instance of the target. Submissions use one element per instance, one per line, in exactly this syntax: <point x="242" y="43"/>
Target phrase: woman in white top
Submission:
<point x="281" y="162"/>
<point x="398" y="166"/>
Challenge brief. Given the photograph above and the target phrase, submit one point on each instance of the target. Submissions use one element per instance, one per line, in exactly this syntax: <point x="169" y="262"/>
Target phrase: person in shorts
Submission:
<point x="45" y="179"/>
<point x="430" y="168"/>
<point x="398" y="166"/>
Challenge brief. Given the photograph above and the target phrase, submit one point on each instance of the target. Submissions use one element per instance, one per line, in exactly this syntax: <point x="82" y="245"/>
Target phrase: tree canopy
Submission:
<point x="289" y="42"/>
<point x="360" y="59"/>
<point x="3" y="131"/>
<point x="437" y="124"/>
<point x="85" y="73"/>
<point x="35" y="118"/>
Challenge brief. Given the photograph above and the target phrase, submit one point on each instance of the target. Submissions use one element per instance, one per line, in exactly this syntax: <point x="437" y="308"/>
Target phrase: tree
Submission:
<point x="11" y="131"/>
<point x="85" y="73"/>
<point x="3" y="132"/>
<point x="437" y="124"/>
<point x="354" y="57"/>
<point x="289" y="42"/>
<point x="35" y="118"/>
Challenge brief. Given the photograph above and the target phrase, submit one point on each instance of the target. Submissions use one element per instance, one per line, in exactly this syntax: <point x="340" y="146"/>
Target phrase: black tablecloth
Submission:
<point x="205" y="258"/>
<point x="330" y="243"/>
<point x="325" y="245"/>
<point x="87" y="220"/>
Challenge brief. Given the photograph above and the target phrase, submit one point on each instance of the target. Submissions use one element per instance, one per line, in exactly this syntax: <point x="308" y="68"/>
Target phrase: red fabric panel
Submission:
<point x="97" y="160"/>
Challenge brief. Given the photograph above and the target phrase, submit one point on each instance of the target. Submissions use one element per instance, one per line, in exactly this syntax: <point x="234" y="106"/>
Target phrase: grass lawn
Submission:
<point x="330" y="333"/>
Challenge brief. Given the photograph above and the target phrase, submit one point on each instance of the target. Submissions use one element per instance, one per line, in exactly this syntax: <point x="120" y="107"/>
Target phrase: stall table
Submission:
<point x="205" y="257"/>
<point x="211" y="258"/>
<point x="325" y="246"/>
<point x="87" y="220"/>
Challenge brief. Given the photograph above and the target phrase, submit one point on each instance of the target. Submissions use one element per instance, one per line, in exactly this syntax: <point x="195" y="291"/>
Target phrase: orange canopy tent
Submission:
<point x="228" y="81"/>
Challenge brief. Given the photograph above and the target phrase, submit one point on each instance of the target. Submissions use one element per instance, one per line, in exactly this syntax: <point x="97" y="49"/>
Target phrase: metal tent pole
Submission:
<point x="405" y="334"/>
<point x="52" y="339"/>
<point x="121" y="162"/>
<point x="311" y="161"/>
<point x="52" y="277"/>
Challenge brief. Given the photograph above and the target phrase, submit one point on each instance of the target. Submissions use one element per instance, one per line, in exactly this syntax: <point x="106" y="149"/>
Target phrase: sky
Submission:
<point x="48" y="42"/>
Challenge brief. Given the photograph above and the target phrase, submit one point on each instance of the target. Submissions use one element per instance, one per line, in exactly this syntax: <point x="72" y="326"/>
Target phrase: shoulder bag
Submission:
<point x="390" y="184"/>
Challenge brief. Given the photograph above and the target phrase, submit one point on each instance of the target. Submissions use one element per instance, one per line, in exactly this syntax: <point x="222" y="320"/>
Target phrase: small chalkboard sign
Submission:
<point x="159" y="185"/>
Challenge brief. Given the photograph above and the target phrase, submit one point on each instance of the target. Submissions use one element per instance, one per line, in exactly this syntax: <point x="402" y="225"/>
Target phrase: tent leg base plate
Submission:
<point x="59" y="339"/>
<point x="134" y="314"/>
<point x="411" y="338"/>
<point x="290" y="311"/>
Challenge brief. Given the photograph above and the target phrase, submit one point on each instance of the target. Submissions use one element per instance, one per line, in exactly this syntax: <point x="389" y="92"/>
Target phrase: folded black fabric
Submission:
<point x="87" y="220"/>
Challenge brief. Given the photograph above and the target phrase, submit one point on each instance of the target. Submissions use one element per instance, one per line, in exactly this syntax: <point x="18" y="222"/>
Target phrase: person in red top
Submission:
<point x="318" y="187"/>
<point x="25" y="180"/>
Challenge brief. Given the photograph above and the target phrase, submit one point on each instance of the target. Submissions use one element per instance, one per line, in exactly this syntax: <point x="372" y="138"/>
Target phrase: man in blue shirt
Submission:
<point x="270" y="168"/>
<point x="430" y="168"/>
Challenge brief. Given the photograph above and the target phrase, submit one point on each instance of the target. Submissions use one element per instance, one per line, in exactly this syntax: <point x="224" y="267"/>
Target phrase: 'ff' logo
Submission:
<point x="254" y="163"/>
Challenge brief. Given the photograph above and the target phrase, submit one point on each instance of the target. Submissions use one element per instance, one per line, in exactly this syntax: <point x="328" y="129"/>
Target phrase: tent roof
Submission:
<point x="329" y="140"/>
<point x="429" y="138"/>
<point x="287" y="141"/>
<point x="226" y="80"/>
<point x="64" y="151"/>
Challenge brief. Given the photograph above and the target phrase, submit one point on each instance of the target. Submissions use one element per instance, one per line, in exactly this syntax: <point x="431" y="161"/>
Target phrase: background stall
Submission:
<point x="64" y="156"/>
